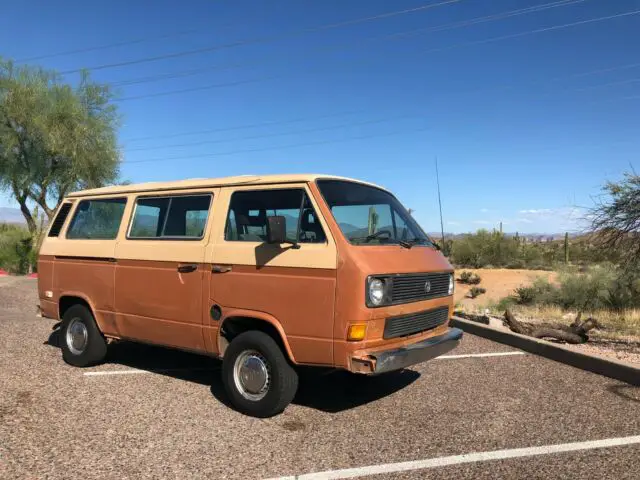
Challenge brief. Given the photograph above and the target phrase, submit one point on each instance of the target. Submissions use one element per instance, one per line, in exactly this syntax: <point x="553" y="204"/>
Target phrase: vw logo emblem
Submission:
<point x="427" y="287"/>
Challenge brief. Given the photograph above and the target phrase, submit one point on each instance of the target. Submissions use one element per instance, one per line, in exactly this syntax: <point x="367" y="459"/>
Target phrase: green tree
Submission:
<point x="54" y="138"/>
<point x="615" y="219"/>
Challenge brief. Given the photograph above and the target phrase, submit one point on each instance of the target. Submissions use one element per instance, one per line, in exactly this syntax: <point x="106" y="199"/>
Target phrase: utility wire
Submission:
<point x="353" y="112"/>
<point x="532" y="32"/>
<point x="359" y="43"/>
<point x="110" y="45"/>
<point x="247" y="126"/>
<point x="440" y="49"/>
<point x="610" y="84"/>
<point x="279" y="147"/>
<point x="265" y="39"/>
<point x="279" y="134"/>
<point x="330" y="127"/>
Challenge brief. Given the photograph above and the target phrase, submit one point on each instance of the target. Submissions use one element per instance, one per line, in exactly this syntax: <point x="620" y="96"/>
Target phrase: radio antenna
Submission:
<point x="440" y="203"/>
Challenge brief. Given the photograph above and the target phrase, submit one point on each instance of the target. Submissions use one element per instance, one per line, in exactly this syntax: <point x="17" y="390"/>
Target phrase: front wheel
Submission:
<point x="82" y="343"/>
<point x="257" y="376"/>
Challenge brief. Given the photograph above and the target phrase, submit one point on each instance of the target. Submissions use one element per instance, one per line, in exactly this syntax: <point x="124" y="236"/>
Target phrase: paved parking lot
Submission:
<point x="151" y="412"/>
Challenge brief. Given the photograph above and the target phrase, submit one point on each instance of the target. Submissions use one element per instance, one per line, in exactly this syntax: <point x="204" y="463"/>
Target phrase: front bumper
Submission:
<point x="399" y="358"/>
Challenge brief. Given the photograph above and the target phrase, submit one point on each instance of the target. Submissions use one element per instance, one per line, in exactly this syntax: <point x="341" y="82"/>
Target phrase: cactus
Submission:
<point x="566" y="248"/>
<point x="373" y="220"/>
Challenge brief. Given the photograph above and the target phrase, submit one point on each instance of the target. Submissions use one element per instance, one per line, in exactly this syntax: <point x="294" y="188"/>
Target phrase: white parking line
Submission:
<point x="466" y="458"/>
<point x="479" y="355"/>
<point x="135" y="371"/>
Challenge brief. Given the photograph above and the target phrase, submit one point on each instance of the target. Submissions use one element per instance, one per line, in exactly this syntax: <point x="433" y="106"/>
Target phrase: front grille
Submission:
<point x="412" y="288"/>
<point x="415" y="322"/>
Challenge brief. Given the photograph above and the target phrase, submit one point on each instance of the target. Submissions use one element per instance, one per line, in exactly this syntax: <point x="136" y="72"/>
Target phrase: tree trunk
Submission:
<point x="574" y="333"/>
<point x="26" y="213"/>
<point x="21" y="198"/>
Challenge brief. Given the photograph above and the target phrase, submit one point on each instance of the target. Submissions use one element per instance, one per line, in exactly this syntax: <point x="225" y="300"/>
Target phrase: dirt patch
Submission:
<point x="19" y="294"/>
<point x="499" y="283"/>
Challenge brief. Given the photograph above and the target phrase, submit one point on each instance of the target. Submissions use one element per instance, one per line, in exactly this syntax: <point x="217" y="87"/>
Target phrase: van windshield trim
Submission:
<point x="369" y="215"/>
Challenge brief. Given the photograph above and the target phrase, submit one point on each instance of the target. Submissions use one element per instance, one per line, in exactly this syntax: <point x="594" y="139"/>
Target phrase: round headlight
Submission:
<point x="451" y="284"/>
<point x="376" y="291"/>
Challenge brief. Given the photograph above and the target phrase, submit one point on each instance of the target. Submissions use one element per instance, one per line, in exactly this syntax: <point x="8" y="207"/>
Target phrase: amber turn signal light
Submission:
<point x="356" y="332"/>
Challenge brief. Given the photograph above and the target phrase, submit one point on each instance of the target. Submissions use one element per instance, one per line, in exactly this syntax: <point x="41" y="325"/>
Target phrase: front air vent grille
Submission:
<point x="415" y="323"/>
<point x="413" y="288"/>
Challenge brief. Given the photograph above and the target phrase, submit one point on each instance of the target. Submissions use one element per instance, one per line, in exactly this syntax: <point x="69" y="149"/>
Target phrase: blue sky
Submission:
<point x="526" y="126"/>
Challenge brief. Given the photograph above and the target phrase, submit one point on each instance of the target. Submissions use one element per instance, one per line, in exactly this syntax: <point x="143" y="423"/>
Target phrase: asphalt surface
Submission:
<point x="57" y="422"/>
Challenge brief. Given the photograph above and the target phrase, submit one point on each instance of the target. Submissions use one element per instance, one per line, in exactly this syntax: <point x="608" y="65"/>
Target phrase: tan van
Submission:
<point x="267" y="273"/>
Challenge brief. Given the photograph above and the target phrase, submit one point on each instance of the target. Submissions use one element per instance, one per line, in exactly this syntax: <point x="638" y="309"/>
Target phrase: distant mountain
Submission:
<point x="11" y="215"/>
<point x="348" y="228"/>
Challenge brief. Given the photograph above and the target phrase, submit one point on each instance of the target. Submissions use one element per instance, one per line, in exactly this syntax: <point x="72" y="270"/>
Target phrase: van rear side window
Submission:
<point x="97" y="219"/>
<point x="58" y="222"/>
<point x="183" y="217"/>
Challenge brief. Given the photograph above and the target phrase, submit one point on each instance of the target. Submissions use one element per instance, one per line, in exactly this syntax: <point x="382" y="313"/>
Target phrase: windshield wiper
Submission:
<point x="373" y="236"/>
<point x="424" y="241"/>
<point x="391" y="240"/>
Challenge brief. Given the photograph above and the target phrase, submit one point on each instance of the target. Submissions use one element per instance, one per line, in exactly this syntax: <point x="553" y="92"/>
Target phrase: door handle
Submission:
<point x="187" y="268"/>
<point x="221" y="269"/>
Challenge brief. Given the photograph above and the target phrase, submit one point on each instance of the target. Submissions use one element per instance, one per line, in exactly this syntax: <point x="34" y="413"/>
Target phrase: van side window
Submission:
<point x="58" y="222"/>
<point x="182" y="216"/>
<point x="248" y="212"/>
<point x="97" y="219"/>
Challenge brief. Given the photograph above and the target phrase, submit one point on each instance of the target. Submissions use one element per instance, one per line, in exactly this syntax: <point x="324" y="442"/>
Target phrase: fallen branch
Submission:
<point x="473" y="317"/>
<point x="574" y="333"/>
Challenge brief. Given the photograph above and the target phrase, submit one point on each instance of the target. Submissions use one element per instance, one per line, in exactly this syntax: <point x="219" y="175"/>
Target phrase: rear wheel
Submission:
<point x="82" y="343"/>
<point x="257" y="376"/>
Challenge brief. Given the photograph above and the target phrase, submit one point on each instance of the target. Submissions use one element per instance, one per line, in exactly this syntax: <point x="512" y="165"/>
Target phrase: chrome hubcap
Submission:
<point x="77" y="336"/>
<point x="251" y="375"/>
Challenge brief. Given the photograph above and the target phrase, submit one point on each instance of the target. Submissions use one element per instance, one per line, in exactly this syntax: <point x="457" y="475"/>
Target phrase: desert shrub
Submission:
<point x="624" y="290"/>
<point x="541" y="291"/>
<point x="600" y="286"/>
<point x="484" y="248"/>
<point x="525" y="295"/>
<point x="586" y="291"/>
<point x="476" y="291"/>
<point x="16" y="249"/>
<point x="469" y="278"/>
<point x="504" y="304"/>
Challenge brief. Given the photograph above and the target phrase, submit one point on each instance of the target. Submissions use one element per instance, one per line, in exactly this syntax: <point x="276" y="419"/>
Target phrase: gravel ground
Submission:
<point x="57" y="422"/>
<point x="19" y="294"/>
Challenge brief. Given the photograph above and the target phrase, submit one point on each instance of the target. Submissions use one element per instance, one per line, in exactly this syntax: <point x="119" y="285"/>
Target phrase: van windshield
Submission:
<point x="370" y="216"/>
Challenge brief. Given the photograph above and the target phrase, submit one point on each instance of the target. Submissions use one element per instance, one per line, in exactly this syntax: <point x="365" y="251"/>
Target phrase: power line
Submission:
<point x="109" y="45"/>
<point x="609" y="84"/>
<point x="247" y="126"/>
<point x="353" y="112"/>
<point x="438" y="28"/>
<point x="279" y="147"/>
<point x="269" y="135"/>
<point x="265" y="39"/>
<point x="205" y="87"/>
<point x="532" y="32"/>
<point x="489" y="18"/>
<point x="440" y="49"/>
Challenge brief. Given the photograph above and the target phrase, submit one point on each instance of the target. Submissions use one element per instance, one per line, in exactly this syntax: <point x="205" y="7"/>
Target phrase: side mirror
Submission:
<point x="276" y="229"/>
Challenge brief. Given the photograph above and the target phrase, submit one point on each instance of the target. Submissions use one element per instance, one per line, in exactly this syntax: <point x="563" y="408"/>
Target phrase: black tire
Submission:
<point x="283" y="378"/>
<point x="95" y="347"/>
